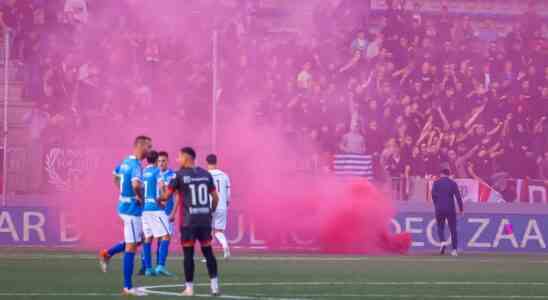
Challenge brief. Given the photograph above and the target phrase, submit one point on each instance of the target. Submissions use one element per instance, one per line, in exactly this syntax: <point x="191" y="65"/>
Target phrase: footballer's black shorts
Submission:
<point x="191" y="234"/>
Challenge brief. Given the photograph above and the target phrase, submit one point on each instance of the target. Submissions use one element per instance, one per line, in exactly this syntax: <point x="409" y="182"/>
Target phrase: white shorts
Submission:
<point x="155" y="224"/>
<point x="219" y="220"/>
<point x="133" y="229"/>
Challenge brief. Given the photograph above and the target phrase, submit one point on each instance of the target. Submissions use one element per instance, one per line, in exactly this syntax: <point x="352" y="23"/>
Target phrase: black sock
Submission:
<point x="189" y="263"/>
<point x="211" y="261"/>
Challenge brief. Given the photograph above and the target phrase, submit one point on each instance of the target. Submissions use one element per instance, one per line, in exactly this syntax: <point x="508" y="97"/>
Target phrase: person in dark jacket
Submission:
<point x="444" y="193"/>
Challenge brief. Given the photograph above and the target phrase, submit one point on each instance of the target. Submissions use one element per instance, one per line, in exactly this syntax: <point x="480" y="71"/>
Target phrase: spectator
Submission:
<point x="374" y="48"/>
<point x="360" y="43"/>
<point x="304" y="78"/>
<point x="38" y="120"/>
<point x="353" y="142"/>
<point x="395" y="164"/>
<point x="77" y="11"/>
<point x="423" y="84"/>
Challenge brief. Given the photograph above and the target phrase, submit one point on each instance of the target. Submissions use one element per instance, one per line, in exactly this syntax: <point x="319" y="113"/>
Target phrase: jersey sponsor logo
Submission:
<point x="199" y="210"/>
<point x="190" y="179"/>
<point x="126" y="199"/>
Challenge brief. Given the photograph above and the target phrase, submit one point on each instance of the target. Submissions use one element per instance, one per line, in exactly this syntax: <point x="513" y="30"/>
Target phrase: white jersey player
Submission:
<point x="222" y="183"/>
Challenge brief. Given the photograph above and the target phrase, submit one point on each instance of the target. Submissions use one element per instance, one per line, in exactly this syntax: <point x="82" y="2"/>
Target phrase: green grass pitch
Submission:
<point x="31" y="274"/>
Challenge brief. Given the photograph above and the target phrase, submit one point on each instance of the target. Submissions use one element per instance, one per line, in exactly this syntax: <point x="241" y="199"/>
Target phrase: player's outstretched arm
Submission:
<point x="136" y="184"/>
<point x="228" y="191"/>
<point x="175" y="209"/>
<point x="162" y="190"/>
<point x="116" y="176"/>
<point x="166" y="194"/>
<point x="163" y="186"/>
<point x="458" y="196"/>
<point x="214" y="199"/>
<point x="116" y="180"/>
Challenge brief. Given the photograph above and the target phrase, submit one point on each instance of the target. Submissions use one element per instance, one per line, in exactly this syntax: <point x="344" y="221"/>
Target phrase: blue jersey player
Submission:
<point x="155" y="220"/>
<point x="128" y="177"/>
<point x="166" y="175"/>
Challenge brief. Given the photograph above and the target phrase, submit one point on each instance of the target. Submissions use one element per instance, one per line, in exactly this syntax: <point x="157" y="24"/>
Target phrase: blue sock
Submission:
<point x="164" y="250"/>
<point x="118" y="248"/>
<point x="147" y="255"/>
<point x="128" y="268"/>
<point x="158" y="252"/>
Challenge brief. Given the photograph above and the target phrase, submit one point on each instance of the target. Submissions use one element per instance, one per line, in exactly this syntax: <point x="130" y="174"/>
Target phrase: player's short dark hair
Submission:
<point x="152" y="157"/>
<point x="211" y="159"/>
<point x="141" y="138"/>
<point x="445" y="169"/>
<point x="163" y="153"/>
<point x="189" y="151"/>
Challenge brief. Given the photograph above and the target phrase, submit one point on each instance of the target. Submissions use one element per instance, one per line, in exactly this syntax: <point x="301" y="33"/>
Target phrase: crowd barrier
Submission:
<point x="63" y="167"/>
<point x="472" y="190"/>
<point x="472" y="8"/>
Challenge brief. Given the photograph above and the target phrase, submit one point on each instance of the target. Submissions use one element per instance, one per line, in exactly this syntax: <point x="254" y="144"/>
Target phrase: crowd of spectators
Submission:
<point x="105" y="62"/>
<point x="417" y="91"/>
<point x="413" y="89"/>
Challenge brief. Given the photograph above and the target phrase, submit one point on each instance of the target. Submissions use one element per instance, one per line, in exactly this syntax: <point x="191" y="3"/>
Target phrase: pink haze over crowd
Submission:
<point x="330" y="214"/>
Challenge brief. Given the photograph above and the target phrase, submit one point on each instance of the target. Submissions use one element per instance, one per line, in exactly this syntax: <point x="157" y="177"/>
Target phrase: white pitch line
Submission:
<point x="422" y="296"/>
<point x="153" y="290"/>
<point x="391" y="296"/>
<point x="61" y="294"/>
<point x="149" y="290"/>
<point x="366" y="283"/>
<point x="403" y="259"/>
<point x="162" y="293"/>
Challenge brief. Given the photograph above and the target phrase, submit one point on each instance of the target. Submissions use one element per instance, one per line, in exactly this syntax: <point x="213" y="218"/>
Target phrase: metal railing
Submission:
<point x="515" y="190"/>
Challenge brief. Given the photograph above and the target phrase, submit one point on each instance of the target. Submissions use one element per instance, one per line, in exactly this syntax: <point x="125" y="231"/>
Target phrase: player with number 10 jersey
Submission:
<point x="196" y="186"/>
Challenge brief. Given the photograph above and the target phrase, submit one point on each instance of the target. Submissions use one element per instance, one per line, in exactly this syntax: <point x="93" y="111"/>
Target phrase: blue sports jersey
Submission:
<point x="167" y="176"/>
<point x="128" y="171"/>
<point x="151" y="181"/>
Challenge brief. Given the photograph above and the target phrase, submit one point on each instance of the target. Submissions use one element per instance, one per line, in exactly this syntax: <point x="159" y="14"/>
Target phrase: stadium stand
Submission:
<point x="459" y="86"/>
